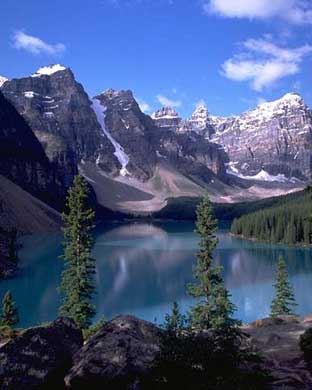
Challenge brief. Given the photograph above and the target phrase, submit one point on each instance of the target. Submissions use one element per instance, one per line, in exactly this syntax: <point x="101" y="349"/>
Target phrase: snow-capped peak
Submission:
<point x="48" y="70"/>
<point x="2" y="80"/>
<point x="291" y="98"/>
<point x="201" y="112"/>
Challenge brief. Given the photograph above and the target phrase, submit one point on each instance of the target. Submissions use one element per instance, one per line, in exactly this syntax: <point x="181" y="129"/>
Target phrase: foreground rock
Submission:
<point x="117" y="356"/>
<point x="277" y="341"/>
<point x="40" y="357"/>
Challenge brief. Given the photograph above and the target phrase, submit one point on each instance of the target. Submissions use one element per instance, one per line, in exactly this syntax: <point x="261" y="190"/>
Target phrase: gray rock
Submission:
<point x="117" y="356"/>
<point x="167" y="118"/>
<point x="39" y="357"/>
<point x="275" y="137"/>
<point x="148" y="142"/>
<point x="22" y="158"/>
<point x="59" y="112"/>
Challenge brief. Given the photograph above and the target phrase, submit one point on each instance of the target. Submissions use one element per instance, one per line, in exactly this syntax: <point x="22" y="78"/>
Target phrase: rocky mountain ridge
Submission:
<point x="270" y="143"/>
<point x="59" y="112"/>
<point x="146" y="160"/>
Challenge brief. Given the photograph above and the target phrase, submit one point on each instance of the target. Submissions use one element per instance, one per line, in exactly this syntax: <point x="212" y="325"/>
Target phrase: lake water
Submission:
<point x="142" y="268"/>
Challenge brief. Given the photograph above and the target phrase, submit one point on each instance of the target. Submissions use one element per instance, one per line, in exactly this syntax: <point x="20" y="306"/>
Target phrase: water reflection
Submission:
<point x="142" y="268"/>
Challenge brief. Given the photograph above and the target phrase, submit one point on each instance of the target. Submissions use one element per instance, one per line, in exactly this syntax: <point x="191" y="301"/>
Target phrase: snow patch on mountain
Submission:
<point x="122" y="157"/>
<point x="30" y="94"/>
<point x="48" y="70"/>
<point x="3" y="80"/>
<point x="260" y="176"/>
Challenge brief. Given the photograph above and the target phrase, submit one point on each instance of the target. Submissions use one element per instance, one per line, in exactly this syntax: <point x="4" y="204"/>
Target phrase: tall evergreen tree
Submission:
<point x="175" y="320"/>
<point x="213" y="308"/>
<point x="77" y="283"/>
<point x="284" y="300"/>
<point x="9" y="315"/>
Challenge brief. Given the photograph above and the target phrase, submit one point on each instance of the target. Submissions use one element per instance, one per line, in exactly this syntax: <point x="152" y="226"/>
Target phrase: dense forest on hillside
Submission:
<point x="287" y="222"/>
<point x="184" y="208"/>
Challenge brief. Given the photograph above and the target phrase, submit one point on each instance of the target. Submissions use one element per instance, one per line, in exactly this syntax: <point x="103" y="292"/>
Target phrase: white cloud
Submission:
<point x="168" y="102"/>
<point x="262" y="63"/>
<point x="284" y="54"/>
<point x="35" y="45"/>
<point x="293" y="11"/>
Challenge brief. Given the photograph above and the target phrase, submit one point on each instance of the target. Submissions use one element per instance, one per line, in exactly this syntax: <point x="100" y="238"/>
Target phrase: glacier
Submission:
<point x="122" y="157"/>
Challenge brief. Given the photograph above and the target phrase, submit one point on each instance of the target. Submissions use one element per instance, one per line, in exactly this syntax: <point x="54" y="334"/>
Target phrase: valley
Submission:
<point x="135" y="162"/>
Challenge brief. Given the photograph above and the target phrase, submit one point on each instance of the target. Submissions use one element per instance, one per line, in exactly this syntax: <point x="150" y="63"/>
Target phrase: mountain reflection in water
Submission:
<point x="142" y="268"/>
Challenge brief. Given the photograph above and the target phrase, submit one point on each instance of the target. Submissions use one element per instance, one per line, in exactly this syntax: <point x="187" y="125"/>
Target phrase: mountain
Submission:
<point x="129" y="131"/>
<point x="270" y="143"/>
<point x="275" y="138"/>
<point x="22" y="158"/>
<point x="154" y="162"/>
<point x="135" y="162"/>
<point x="59" y="112"/>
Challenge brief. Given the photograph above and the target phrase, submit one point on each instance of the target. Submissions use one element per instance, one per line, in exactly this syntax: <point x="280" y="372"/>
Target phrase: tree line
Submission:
<point x="287" y="222"/>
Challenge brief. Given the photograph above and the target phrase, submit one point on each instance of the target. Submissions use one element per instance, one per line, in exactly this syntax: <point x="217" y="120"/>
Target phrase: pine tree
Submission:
<point x="9" y="311"/>
<point x="77" y="284"/>
<point x="284" y="299"/>
<point x="213" y="308"/>
<point x="175" y="320"/>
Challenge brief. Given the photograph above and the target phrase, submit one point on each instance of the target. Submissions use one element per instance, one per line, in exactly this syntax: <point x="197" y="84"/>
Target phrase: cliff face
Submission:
<point x="22" y="158"/>
<point x="59" y="112"/>
<point x="145" y="143"/>
<point x="269" y="143"/>
<point x="130" y="132"/>
<point x="275" y="137"/>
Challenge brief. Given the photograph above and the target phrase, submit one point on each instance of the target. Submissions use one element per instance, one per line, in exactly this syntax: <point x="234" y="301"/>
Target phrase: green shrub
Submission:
<point x="87" y="333"/>
<point x="6" y="332"/>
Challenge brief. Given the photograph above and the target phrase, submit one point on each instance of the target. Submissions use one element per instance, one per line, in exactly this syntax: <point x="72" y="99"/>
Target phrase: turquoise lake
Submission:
<point x="142" y="268"/>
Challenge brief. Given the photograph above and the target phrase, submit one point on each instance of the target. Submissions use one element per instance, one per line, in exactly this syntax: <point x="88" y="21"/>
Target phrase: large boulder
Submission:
<point x="40" y="357"/>
<point x="117" y="357"/>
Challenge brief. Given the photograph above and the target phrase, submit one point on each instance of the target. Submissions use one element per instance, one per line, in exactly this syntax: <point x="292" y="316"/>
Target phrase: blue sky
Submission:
<point x="230" y="54"/>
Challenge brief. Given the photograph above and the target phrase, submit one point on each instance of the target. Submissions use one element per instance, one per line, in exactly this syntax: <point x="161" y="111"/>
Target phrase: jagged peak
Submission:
<point x="201" y="112"/>
<point x="3" y="80"/>
<point x="114" y="93"/>
<point x="48" y="70"/>
<point x="165" y="112"/>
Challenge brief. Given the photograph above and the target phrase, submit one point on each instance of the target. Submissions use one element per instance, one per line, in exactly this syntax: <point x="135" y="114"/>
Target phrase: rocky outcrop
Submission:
<point x="199" y="122"/>
<point x="117" y="356"/>
<point x="192" y="155"/>
<point x="168" y="118"/>
<point x="39" y="357"/>
<point x="277" y="341"/>
<point x="124" y="353"/>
